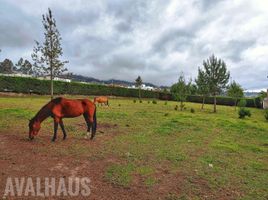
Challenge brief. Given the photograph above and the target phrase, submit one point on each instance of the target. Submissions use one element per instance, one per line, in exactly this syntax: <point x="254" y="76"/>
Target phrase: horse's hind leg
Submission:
<point x="86" y="116"/>
<point x="56" y="123"/>
<point x="63" y="129"/>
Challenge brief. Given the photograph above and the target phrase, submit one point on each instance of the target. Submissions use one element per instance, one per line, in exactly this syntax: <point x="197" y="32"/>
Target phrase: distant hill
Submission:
<point x="81" y="78"/>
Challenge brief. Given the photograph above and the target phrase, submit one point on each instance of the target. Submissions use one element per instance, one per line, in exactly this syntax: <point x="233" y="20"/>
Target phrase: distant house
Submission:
<point x="143" y="87"/>
<point x="17" y="75"/>
<point x="265" y="102"/>
<point x="55" y="79"/>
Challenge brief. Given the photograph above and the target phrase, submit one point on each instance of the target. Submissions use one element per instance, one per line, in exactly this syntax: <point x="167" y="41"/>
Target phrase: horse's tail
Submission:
<point x="94" y="128"/>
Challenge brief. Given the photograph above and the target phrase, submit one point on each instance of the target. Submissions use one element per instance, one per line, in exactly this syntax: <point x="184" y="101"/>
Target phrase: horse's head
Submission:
<point x="34" y="127"/>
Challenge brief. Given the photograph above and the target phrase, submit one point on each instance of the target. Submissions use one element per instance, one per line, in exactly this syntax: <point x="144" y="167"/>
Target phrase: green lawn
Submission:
<point x="154" y="145"/>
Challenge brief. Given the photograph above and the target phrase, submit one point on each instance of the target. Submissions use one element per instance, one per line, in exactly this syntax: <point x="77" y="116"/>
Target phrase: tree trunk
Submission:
<point x="181" y="105"/>
<point x="203" y="102"/>
<point x="215" y="104"/>
<point x="235" y="104"/>
<point x="140" y="93"/>
<point x="51" y="82"/>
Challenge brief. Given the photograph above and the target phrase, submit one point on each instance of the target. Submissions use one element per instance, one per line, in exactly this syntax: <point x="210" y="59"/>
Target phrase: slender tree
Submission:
<point x="180" y="90"/>
<point x="46" y="56"/>
<point x="138" y="83"/>
<point x="217" y="76"/>
<point x="202" y="86"/>
<point x="235" y="91"/>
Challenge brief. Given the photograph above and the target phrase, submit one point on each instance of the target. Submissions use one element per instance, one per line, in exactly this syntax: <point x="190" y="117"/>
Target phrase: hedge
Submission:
<point x="42" y="87"/>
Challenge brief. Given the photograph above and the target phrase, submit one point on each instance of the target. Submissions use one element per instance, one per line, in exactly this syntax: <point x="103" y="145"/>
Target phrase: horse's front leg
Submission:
<point x="63" y="129"/>
<point x="56" y="124"/>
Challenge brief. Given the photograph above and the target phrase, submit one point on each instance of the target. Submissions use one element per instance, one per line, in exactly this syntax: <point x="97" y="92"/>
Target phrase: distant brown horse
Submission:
<point x="101" y="100"/>
<point x="60" y="108"/>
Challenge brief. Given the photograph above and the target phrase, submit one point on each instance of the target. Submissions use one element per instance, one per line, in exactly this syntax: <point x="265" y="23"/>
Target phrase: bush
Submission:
<point x="134" y="101"/>
<point x="243" y="112"/>
<point x="165" y="103"/>
<point x="148" y="102"/>
<point x="119" y="104"/>
<point x="154" y="102"/>
<point x="176" y="107"/>
<point x="140" y="101"/>
<point x="192" y="110"/>
<point x="266" y="114"/>
<point x="242" y="103"/>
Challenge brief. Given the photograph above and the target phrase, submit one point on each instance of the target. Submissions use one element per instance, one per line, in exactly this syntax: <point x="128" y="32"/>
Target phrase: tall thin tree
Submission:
<point x="235" y="91"/>
<point x="217" y="76"/>
<point x="138" y="83"/>
<point x="202" y="86"/>
<point x="180" y="90"/>
<point x="46" y="56"/>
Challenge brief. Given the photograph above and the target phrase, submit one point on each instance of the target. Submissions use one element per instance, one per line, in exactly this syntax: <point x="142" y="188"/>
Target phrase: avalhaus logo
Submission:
<point x="47" y="186"/>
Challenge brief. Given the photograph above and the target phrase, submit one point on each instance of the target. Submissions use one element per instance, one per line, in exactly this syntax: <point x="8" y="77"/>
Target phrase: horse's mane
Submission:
<point x="47" y="107"/>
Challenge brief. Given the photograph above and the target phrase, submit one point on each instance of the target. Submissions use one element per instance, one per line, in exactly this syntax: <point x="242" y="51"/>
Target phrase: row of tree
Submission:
<point x="212" y="80"/>
<point x="22" y="66"/>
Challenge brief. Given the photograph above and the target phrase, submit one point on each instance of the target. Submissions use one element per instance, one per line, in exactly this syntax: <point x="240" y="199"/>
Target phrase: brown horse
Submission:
<point x="60" y="108"/>
<point x="101" y="100"/>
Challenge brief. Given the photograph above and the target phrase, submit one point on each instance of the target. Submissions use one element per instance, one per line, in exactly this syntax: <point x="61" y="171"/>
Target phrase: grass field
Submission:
<point x="143" y="150"/>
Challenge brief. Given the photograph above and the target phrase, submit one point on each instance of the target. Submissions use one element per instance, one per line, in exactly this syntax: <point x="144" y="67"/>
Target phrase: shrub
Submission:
<point x="119" y="104"/>
<point x="154" y="102"/>
<point x="266" y="114"/>
<point x="242" y="103"/>
<point x="140" y="101"/>
<point x="166" y="114"/>
<point x="165" y="103"/>
<point x="192" y="110"/>
<point x="243" y="112"/>
<point x="176" y="107"/>
<point x="134" y="101"/>
<point x="148" y="102"/>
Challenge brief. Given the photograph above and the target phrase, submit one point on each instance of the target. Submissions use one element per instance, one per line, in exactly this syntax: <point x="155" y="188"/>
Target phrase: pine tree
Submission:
<point x="217" y="76"/>
<point x="46" y="56"/>
<point x="138" y="83"/>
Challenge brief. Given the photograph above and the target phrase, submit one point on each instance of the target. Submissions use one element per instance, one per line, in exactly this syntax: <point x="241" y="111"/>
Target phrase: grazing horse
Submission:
<point x="101" y="100"/>
<point x="60" y="108"/>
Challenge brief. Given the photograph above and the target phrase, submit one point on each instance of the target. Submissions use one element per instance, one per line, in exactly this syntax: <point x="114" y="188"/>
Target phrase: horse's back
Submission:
<point x="101" y="99"/>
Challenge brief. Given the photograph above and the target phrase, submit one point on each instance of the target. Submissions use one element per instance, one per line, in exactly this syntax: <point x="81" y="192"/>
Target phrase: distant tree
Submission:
<point x="217" y="76"/>
<point x="202" y="86"/>
<point x="138" y="83"/>
<point x="46" y="56"/>
<point x="180" y="90"/>
<point x="24" y="66"/>
<point x="235" y="91"/>
<point x="6" y="67"/>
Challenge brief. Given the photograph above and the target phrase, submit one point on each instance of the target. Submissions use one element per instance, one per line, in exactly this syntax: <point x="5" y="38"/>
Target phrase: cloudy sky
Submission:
<point x="156" y="39"/>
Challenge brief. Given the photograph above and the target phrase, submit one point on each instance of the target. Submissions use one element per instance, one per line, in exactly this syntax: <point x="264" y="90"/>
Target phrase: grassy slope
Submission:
<point x="226" y="153"/>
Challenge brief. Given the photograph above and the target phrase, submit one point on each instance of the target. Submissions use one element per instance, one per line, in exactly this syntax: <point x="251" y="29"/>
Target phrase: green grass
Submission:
<point x="215" y="153"/>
